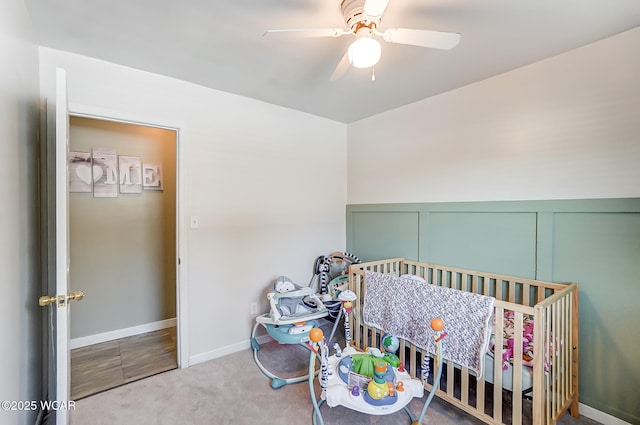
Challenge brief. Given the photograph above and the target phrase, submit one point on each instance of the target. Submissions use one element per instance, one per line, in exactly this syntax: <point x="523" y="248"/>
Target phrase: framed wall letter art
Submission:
<point x="80" y="174"/>
<point x="105" y="173"/>
<point x="152" y="176"/>
<point x="130" y="174"/>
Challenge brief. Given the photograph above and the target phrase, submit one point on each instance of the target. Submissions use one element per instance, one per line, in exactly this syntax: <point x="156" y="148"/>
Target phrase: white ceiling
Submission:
<point x="220" y="44"/>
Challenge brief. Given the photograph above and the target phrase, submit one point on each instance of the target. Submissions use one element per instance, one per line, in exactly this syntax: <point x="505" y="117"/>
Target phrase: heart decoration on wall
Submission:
<point x="84" y="173"/>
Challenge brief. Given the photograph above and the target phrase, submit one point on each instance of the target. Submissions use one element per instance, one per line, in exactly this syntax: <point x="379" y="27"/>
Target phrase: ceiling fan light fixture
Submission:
<point x="364" y="52"/>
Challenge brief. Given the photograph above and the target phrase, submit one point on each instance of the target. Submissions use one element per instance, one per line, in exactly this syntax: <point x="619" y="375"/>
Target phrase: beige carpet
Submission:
<point x="232" y="390"/>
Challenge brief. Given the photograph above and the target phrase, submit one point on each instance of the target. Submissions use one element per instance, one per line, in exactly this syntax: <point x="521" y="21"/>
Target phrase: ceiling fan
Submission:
<point x="362" y="18"/>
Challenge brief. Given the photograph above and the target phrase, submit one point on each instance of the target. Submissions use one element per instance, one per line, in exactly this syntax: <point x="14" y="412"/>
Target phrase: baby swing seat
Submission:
<point x="294" y="311"/>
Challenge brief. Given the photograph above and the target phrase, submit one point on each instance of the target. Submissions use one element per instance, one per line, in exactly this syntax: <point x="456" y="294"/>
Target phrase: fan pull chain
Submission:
<point x="373" y="73"/>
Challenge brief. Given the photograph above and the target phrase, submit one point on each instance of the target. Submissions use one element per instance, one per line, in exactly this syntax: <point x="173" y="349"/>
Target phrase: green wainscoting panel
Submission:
<point x="378" y="235"/>
<point x="488" y="241"/>
<point x="601" y="251"/>
<point x="593" y="242"/>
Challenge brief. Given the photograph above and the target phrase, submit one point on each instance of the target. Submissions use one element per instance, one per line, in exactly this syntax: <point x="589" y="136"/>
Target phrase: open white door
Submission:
<point x="63" y="372"/>
<point x="59" y="301"/>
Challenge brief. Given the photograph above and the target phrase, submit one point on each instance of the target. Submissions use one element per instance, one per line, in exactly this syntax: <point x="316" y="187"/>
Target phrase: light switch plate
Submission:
<point x="195" y="222"/>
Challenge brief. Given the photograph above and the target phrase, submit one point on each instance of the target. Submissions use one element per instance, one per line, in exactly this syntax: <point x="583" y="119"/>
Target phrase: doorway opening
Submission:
<point x="123" y="252"/>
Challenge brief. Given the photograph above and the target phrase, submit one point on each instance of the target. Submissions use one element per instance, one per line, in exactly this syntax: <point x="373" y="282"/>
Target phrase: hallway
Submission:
<point x="103" y="366"/>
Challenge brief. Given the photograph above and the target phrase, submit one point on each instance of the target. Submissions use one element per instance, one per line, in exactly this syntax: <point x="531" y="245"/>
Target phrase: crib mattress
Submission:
<point x="507" y="374"/>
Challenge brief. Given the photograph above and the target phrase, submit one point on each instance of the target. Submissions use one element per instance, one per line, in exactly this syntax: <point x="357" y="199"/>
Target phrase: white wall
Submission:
<point x="20" y="315"/>
<point x="267" y="183"/>
<point x="564" y="128"/>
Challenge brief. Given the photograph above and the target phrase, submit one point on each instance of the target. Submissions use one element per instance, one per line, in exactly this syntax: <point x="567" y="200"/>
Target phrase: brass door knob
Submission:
<point x="75" y="295"/>
<point x="46" y="300"/>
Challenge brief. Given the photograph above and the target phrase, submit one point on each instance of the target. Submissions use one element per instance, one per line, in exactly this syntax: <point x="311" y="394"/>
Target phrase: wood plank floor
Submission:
<point x="103" y="366"/>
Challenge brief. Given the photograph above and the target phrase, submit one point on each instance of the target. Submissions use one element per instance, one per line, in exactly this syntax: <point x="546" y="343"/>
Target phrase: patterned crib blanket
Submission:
<point x="508" y="333"/>
<point x="404" y="308"/>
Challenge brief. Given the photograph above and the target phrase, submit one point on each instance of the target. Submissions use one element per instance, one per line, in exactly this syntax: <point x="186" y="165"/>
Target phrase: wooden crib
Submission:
<point x="553" y="308"/>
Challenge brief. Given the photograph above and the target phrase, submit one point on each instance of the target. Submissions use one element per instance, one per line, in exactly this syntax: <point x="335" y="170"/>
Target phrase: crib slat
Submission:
<point x="450" y="379"/>
<point x="497" y="364"/>
<point x="464" y="386"/>
<point x="547" y="339"/>
<point x="564" y="362"/>
<point x="355" y="284"/>
<point x="526" y="293"/>
<point x="538" y="366"/>
<point x="541" y="294"/>
<point x="516" y="411"/>
<point x="559" y="358"/>
<point x="512" y="291"/>
<point x="555" y="399"/>
<point x="480" y="390"/>
<point x="412" y="361"/>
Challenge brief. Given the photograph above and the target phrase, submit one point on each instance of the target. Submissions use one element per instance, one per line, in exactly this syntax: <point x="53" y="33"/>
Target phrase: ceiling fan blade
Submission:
<point x="422" y="38"/>
<point x="374" y="9"/>
<point x="341" y="69"/>
<point x="306" y="32"/>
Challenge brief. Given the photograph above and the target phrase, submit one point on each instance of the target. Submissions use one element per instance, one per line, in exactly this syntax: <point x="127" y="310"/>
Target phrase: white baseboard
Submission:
<point x="597" y="415"/>
<point x="121" y="333"/>
<point x="214" y="354"/>
<point x="229" y="349"/>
